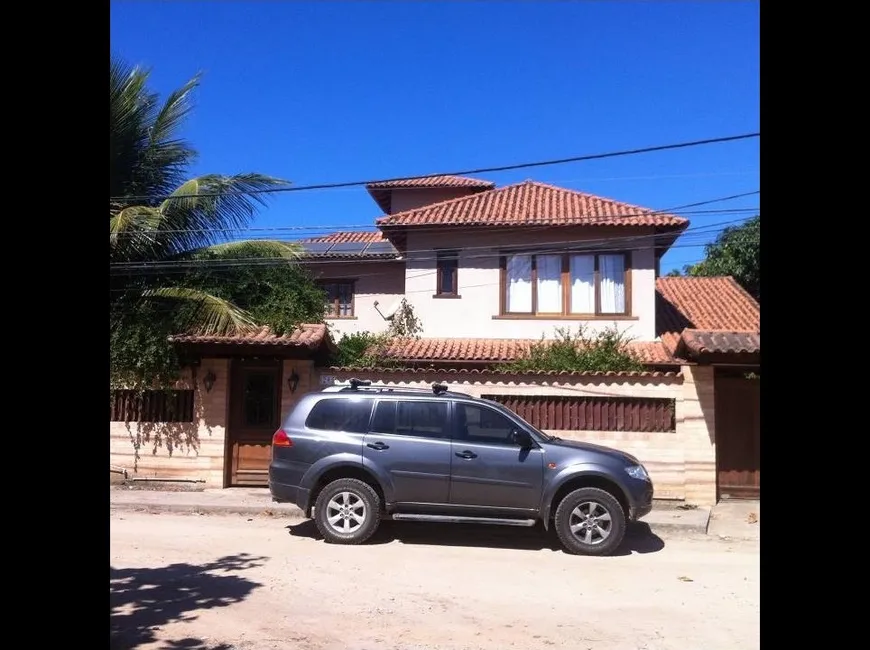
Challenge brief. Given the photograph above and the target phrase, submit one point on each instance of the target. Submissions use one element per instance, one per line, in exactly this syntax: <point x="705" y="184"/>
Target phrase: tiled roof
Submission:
<point x="721" y="342"/>
<point x="498" y="350"/>
<point x="432" y="181"/>
<point x="307" y="335"/>
<point x="360" y="370"/>
<point x="532" y="204"/>
<point x="716" y="303"/>
<point x="348" y="236"/>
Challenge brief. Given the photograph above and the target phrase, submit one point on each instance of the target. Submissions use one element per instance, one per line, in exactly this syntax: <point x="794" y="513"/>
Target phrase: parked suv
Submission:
<point x="351" y="456"/>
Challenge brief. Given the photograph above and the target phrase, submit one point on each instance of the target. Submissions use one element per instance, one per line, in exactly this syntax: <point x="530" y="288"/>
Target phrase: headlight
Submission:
<point x="638" y="472"/>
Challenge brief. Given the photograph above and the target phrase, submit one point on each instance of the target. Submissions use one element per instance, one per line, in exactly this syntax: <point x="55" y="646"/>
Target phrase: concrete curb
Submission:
<point x="696" y="524"/>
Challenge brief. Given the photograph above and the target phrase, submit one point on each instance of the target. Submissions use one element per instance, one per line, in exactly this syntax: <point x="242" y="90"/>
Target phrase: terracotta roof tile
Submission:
<point x="359" y="370"/>
<point x="716" y="303"/>
<point x="721" y="342"/>
<point x="532" y="204"/>
<point x="345" y="237"/>
<point x="443" y="180"/>
<point x="307" y="335"/>
<point x="498" y="350"/>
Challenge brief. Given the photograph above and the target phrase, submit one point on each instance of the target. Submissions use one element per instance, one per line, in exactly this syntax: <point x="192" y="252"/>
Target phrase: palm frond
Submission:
<point x="247" y="249"/>
<point x="204" y="313"/>
<point x="132" y="232"/>
<point x="211" y="209"/>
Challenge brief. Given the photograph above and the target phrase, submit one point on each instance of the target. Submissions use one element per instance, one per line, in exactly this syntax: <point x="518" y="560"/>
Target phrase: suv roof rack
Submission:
<point x="356" y="385"/>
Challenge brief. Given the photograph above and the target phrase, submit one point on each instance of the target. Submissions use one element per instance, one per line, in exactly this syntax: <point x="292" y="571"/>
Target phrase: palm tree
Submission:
<point x="161" y="224"/>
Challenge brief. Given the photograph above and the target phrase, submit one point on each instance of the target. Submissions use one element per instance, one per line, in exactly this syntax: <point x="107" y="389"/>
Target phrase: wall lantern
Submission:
<point x="293" y="381"/>
<point x="208" y="381"/>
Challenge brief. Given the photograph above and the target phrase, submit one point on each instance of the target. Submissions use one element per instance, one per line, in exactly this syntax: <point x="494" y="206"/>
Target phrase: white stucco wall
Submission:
<point x="471" y="316"/>
<point x="381" y="282"/>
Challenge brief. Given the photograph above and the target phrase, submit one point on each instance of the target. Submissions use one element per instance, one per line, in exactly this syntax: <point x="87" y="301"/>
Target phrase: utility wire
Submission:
<point x="466" y="172"/>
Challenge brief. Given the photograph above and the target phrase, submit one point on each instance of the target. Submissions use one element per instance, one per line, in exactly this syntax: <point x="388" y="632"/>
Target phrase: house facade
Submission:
<point x="488" y="271"/>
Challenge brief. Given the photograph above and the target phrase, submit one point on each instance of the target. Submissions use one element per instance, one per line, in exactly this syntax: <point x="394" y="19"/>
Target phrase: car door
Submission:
<point x="487" y="468"/>
<point x="410" y="440"/>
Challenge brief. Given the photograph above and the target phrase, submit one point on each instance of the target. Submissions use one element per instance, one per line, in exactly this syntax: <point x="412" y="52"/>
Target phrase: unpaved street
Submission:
<point x="233" y="583"/>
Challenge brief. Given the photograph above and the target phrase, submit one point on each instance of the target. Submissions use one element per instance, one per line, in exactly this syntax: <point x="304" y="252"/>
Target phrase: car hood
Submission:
<point x="588" y="446"/>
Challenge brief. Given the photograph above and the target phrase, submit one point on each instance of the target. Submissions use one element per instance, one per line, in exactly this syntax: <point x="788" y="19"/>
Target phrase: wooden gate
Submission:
<point x="738" y="435"/>
<point x="254" y="416"/>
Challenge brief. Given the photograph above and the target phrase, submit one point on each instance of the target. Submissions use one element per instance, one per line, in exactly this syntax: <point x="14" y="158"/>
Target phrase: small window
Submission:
<point x="419" y="419"/>
<point x="448" y="274"/>
<point x="482" y="424"/>
<point x="347" y="415"/>
<point x="339" y="298"/>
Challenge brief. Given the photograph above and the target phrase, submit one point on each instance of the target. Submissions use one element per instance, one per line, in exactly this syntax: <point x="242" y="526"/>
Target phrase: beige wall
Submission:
<point x="681" y="464"/>
<point x="169" y="450"/>
<point x="479" y="285"/>
<point x="414" y="198"/>
<point x="194" y="450"/>
<point x="381" y="282"/>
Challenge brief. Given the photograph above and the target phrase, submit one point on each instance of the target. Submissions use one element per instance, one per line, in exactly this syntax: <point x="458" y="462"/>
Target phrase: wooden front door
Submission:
<point x="738" y="436"/>
<point x="255" y="414"/>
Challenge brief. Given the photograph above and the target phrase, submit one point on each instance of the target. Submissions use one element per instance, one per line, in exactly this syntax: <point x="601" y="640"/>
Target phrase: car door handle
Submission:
<point x="468" y="455"/>
<point x="379" y="446"/>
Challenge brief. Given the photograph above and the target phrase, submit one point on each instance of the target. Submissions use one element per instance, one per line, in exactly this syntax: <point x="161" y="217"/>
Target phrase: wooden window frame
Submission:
<point x="441" y="257"/>
<point x="322" y="283"/>
<point x="565" y="313"/>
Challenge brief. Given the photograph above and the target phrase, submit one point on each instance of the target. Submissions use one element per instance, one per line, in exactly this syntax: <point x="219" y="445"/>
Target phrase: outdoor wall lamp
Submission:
<point x="208" y="381"/>
<point x="293" y="381"/>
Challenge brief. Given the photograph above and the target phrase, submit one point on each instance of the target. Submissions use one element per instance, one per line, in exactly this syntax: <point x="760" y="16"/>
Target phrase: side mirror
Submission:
<point x="521" y="438"/>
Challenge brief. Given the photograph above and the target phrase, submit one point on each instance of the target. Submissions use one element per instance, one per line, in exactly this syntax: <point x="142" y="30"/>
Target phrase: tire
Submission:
<point x="346" y="527"/>
<point x="574" y="509"/>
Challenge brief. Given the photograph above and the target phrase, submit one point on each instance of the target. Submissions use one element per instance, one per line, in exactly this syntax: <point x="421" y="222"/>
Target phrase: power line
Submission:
<point x="466" y="172"/>
<point x="417" y="229"/>
<point x="579" y="246"/>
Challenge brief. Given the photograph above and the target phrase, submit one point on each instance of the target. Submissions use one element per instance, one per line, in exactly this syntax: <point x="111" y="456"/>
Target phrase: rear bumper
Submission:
<point x="290" y="494"/>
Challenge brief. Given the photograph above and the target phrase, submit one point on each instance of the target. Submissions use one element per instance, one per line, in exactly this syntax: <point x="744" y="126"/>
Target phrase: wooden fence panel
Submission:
<point x="644" y="414"/>
<point x="151" y="406"/>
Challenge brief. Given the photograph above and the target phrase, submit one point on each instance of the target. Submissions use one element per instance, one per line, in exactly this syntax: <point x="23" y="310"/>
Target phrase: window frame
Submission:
<point x="323" y="283"/>
<point x="565" y="313"/>
<point x="449" y="256"/>
<point x="447" y="432"/>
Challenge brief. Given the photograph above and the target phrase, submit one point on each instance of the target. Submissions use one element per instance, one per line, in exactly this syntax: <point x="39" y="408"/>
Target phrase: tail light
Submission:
<point x="281" y="439"/>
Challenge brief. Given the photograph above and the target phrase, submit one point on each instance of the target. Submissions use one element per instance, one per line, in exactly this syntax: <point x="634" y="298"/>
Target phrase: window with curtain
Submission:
<point x="339" y="298"/>
<point x="571" y="284"/>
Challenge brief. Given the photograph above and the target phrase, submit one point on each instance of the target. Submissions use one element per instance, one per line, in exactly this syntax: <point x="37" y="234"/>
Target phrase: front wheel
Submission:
<point x="347" y="511"/>
<point x="590" y="521"/>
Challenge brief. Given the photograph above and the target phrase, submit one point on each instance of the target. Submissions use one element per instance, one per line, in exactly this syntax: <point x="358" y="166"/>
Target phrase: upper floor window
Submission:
<point x="339" y="298"/>
<point x="570" y="284"/>
<point x="448" y="274"/>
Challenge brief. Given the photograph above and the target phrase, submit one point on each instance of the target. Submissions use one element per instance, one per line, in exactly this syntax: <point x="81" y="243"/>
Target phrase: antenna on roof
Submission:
<point x="356" y="383"/>
<point x="439" y="388"/>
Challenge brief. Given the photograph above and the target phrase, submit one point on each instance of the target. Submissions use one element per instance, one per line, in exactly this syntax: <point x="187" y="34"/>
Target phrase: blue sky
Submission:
<point x="318" y="92"/>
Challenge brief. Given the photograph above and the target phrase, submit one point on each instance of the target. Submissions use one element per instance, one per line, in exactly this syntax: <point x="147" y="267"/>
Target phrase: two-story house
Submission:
<point x="489" y="271"/>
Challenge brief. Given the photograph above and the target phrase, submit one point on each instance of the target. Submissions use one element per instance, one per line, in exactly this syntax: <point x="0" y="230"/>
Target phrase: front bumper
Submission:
<point x="643" y="505"/>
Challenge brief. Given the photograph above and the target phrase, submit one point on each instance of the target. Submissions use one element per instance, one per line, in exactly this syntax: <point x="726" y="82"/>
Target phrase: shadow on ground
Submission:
<point x="639" y="538"/>
<point x="144" y="599"/>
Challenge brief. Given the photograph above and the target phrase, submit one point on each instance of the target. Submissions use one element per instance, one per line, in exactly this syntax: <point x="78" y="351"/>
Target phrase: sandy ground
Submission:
<point x="234" y="583"/>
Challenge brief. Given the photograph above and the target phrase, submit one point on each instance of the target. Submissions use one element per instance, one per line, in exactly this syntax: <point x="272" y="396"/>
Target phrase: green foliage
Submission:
<point x="736" y="253"/>
<point x="175" y="265"/>
<point x="367" y="350"/>
<point x="606" y="351"/>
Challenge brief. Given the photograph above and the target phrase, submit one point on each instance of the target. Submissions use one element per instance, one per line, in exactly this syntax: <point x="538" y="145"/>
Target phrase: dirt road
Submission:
<point x="231" y="583"/>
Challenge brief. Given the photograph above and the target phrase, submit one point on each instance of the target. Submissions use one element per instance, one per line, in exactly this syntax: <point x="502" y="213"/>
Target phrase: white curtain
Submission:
<point x="549" y="283"/>
<point x="519" y="284"/>
<point x="582" y="284"/>
<point x="612" y="269"/>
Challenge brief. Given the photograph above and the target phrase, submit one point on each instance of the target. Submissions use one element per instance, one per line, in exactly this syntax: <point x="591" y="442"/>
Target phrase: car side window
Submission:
<point x="482" y="424"/>
<point x="417" y="418"/>
<point x="347" y="415"/>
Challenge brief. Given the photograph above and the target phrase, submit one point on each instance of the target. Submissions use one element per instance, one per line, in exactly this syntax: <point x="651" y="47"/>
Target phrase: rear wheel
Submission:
<point x="347" y="511"/>
<point x="590" y="521"/>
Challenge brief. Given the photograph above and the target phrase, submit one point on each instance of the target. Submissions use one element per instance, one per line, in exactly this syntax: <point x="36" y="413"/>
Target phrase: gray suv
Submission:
<point x="351" y="456"/>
